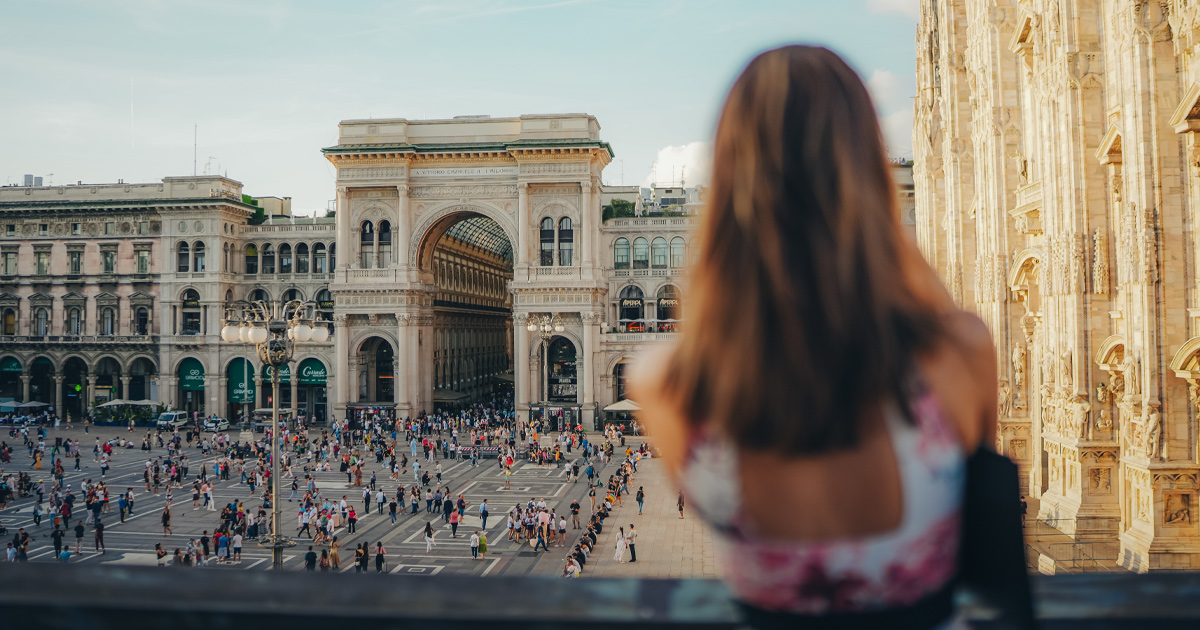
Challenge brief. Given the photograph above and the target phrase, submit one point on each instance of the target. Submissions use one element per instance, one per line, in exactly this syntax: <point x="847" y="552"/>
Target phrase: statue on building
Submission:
<point x="1064" y="371"/>
<point x="1018" y="374"/>
<point x="1080" y="410"/>
<point x="1154" y="434"/>
<point x="1004" y="398"/>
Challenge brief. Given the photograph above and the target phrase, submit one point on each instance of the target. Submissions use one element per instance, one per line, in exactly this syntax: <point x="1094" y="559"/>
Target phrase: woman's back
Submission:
<point x="821" y="420"/>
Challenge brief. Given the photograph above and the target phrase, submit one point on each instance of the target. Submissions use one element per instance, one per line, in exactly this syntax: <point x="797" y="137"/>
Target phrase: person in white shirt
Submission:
<point x="475" y="546"/>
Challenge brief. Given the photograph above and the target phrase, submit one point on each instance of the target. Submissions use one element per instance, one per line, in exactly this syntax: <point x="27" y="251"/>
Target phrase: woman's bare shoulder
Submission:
<point x="966" y="377"/>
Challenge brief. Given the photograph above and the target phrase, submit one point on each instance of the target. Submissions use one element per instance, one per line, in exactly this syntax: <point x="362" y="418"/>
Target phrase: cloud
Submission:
<point x="692" y="161"/>
<point x="897" y="133"/>
<point x="892" y="99"/>
<point x="910" y="8"/>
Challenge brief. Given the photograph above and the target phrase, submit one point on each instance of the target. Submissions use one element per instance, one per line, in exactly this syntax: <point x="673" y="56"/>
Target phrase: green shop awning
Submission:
<point x="191" y="375"/>
<point x="285" y="374"/>
<point x="312" y="372"/>
<point x="241" y="381"/>
<point x="10" y="364"/>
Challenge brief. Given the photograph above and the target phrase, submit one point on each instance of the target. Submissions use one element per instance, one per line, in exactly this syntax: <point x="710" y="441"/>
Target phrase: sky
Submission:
<point x="131" y="89"/>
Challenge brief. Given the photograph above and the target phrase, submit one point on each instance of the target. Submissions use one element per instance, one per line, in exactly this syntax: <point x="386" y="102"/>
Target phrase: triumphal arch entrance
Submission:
<point x="452" y="236"/>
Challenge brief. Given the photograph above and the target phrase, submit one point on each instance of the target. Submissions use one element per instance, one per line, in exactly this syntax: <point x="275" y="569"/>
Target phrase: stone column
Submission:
<point x="375" y="253"/>
<point x="172" y="391"/>
<point x="124" y="387"/>
<point x="58" y="395"/>
<point x="352" y="379"/>
<point x="400" y="380"/>
<point x="585" y="360"/>
<point x="259" y="386"/>
<point x="345" y="254"/>
<point x="521" y="384"/>
<point x="413" y="372"/>
<point x="585" y="226"/>
<point x="524" y="229"/>
<point x="91" y="392"/>
<point x="341" y="393"/>
<point x="401" y="233"/>
<point x="25" y="379"/>
<point x="295" y="379"/>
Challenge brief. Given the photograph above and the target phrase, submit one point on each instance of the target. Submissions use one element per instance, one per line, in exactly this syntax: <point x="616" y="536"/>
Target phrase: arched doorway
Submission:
<point x="375" y="372"/>
<point x="191" y="386"/>
<point x="41" y="385"/>
<point x="631" y="310"/>
<point x="311" y="389"/>
<point x="107" y="373"/>
<point x="241" y="390"/>
<point x="11" y="387"/>
<point x="141" y="374"/>
<point x="74" y="393"/>
<point x="668" y="308"/>
<point x="564" y="386"/>
<point x="468" y="256"/>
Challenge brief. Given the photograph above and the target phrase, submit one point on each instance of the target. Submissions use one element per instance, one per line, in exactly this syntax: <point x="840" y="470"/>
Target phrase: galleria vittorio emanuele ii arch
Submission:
<point x="452" y="235"/>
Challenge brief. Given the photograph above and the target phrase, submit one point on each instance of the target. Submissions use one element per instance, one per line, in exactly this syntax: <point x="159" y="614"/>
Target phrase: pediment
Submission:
<point x="40" y="298"/>
<point x="1109" y="151"/>
<point x="1022" y="40"/>
<point x="1186" y="117"/>
<point x="107" y="298"/>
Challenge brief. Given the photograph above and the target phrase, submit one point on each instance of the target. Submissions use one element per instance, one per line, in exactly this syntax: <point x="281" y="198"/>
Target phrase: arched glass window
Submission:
<point x="10" y="321"/>
<point x="332" y="256"/>
<point x="224" y="257"/>
<point x="251" y="259"/>
<point x="293" y="294"/>
<point x="547" y="240"/>
<point x="285" y="258"/>
<point x="184" y="259"/>
<point x="74" y="322"/>
<point x="669" y="312"/>
<point x="191" y="312"/>
<point x="632" y="309"/>
<point x="319" y="261"/>
<point x="385" y="244"/>
<point x="302" y="258"/>
<point x="658" y="253"/>
<point x="641" y="253"/>
<point x="198" y="257"/>
<point x="259" y="295"/>
<point x="41" y="323"/>
<point x="677" y="252"/>
<point x="621" y="254"/>
<point x="325" y="304"/>
<point x="142" y="325"/>
<point x="108" y="322"/>
<point x="366" y="244"/>
<point x="268" y="258"/>
<point x="566" y="241"/>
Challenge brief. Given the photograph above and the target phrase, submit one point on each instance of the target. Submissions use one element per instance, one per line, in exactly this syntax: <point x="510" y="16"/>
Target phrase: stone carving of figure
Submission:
<point x="1103" y="422"/>
<point x="1194" y="395"/>
<point x="1129" y="370"/>
<point x="1080" y="415"/>
<point x="1018" y="366"/>
<point x="1154" y="435"/>
<point x="1102" y="394"/>
<point x="1005" y="399"/>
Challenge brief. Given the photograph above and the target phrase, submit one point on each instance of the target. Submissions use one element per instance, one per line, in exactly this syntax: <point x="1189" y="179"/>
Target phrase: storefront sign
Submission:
<point x="191" y="375"/>
<point x="668" y="302"/>
<point x="191" y="304"/>
<point x="312" y="372"/>
<point x="285" y="374"/>
<point x="10" y="364"/>
<point x="631" y="303"/>
<point x="325" y="305"/>
<point x="241" y="386"/>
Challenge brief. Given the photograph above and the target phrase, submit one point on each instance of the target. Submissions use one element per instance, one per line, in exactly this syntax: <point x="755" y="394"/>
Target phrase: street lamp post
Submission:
<point x="274" y="328"/>
<point x="546" y="326"/>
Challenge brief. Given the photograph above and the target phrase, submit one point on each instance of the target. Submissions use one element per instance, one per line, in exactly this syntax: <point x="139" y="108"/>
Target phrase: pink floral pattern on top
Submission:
<point x="893" y="569"/>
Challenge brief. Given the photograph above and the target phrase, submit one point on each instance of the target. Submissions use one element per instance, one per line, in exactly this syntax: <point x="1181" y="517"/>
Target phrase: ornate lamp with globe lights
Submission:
<point x="547" y="326"/>
<point x="274" y="328"/>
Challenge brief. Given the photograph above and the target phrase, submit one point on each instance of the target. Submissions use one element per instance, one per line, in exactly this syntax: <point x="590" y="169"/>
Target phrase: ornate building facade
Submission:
<point x="1057" y="183"/>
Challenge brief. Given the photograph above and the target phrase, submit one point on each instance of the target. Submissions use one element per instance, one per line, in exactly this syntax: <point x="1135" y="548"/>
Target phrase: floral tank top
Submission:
<point x="888" y="570"/>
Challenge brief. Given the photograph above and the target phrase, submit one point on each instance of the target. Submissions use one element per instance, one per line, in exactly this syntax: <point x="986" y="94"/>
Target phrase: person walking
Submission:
<point x="310" y="560"/>
<point x="475" y="546"/>
<point x="483" y="545"/>
<point x="619" y="556"/>
<point x="166" y="521"/>
<point x="641" y="498"/>
<point x="100" y="536"/>
<point x="483" y="514"/>
<point x="380" y="558"/>
<point x="351" y="521"/>
<point x="79" y="530"/>
<point x="428" y="537"/>
<point x="631" y="540"/>
<point x="679" y="503"/>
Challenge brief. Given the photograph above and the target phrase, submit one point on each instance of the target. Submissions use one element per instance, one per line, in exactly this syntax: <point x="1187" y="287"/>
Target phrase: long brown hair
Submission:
<point x="806" y="311"/>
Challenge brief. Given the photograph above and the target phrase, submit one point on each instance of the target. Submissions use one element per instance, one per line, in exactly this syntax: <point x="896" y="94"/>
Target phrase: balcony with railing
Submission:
<point x="75" y="339"/>
<point x="40" y="595"/>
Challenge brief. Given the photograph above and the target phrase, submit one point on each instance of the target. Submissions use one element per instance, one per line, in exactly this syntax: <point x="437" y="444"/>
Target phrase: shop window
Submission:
<point x="632" y="309"/>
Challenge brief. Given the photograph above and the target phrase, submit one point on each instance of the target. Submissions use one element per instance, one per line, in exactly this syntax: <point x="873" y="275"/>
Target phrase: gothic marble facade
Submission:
<point x="1056" y="192"/>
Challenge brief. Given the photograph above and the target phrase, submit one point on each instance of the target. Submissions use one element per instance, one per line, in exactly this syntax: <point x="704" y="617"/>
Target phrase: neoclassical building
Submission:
<point x="1057" y="176"/>
<point x="458" y="234"/>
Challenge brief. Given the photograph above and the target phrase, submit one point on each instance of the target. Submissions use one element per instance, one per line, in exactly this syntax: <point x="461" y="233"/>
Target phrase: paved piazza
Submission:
<point x="132" y="543"/>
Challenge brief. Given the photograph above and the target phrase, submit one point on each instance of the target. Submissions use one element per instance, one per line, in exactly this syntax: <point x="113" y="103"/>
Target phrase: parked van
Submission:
<point x="173" y="419"/>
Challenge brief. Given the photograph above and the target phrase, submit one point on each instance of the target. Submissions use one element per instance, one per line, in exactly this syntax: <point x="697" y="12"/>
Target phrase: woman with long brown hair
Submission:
<point x="825" y="393"/>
